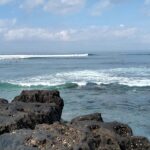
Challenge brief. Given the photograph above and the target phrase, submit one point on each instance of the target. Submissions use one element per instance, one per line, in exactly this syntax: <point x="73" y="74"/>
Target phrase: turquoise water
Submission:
<point x="115" y="84"/>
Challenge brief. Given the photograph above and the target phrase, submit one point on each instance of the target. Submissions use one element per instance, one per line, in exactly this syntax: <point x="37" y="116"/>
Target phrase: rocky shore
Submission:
<point x="32" y="121"/>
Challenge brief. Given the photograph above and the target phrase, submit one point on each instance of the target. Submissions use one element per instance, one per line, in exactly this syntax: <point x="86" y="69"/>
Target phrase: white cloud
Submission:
<point x="31" y="4"/>
<point x="7" y="22"/>
<point x="63" y="6"/>
<point x="35" y="34"/>
<point x="146" y="38"/>
<point x="3" y="2"/>
<point x="54" y="6"/>
<point x="125" y="32"/>
<point x="147" y="2"/>
<point x="106" y="33"/>
<point x="105" y="36"/>
<point x="90" y="34"/>
<point x="103" y="5"/>
<point x="63" y="35"/>
<point x="100" y="7"/>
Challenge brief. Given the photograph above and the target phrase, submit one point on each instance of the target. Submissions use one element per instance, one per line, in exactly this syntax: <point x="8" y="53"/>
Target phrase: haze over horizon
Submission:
<point x="72" y="26"/>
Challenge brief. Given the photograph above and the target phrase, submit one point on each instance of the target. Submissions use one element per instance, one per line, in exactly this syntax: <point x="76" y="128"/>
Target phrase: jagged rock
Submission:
<point x="59" y="137"/>
<point x="70" y="136"/>
<point x="95" y="120"/>
<point x="33" y="122"/>
<point x="40" y="96"/>
<point x="27" y="114"/>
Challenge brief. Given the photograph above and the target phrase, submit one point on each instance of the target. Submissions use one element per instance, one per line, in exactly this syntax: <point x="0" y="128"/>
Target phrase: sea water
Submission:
<point x="115" y="84"/>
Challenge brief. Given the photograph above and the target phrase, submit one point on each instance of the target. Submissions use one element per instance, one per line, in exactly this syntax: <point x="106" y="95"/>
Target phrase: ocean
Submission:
<point x="115" y="84"/>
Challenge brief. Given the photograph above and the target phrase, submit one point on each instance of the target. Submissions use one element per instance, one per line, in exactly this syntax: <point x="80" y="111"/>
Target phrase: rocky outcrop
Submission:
<point x="40" y="96"/>
<point x="42" y="129"/>
<point x="29" y="109"/>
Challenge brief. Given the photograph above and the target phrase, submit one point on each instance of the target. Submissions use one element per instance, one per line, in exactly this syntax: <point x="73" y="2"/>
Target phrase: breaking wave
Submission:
<point x="136" y="78"/>
<point x="11" y="57"/>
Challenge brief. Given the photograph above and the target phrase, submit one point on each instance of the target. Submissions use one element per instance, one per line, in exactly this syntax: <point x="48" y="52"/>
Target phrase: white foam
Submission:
<point x="8" y="57"/>
<point x="83" y="77"/>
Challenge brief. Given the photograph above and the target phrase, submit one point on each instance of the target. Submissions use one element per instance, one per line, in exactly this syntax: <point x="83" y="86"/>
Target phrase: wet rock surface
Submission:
<point x="34" y="123"/>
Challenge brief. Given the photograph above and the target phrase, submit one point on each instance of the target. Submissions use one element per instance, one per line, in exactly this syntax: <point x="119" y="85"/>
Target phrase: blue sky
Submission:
<point x="62" y="26"/>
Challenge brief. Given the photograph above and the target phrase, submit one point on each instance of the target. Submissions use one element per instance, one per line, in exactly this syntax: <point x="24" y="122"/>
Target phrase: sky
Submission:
<point x="69" y="26"/>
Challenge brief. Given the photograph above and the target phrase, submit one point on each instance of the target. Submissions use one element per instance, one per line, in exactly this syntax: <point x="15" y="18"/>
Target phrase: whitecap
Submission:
<point x="11" y="57"/>
<point x="83" y="77"/>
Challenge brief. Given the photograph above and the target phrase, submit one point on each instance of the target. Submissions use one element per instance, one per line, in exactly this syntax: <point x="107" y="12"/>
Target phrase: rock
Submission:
<point x="59" y="137"/>
<point x="95" y="121"/>
<point x="135" y="143"/>
<point x="40" y="96"/>
<point x="120" y="129"/>
<point x="91" y="117"/>
<point x="3" y="101"/>
<point x="96" y="135"/>
<point x="18" y="114"/>
<point x="33" y="122"/>
<point x="15" y="140"/>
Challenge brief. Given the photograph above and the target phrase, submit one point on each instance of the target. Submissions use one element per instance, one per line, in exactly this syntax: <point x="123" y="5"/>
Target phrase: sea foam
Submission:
<point x="82" y="78"/>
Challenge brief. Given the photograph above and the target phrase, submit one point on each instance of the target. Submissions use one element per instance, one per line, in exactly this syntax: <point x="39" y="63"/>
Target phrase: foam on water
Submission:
<point x="81" y="78"/>
<point x="11" y="57"/>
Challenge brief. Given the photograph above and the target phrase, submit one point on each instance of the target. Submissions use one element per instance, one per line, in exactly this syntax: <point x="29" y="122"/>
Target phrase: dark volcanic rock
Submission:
<point x="3" y="101"/>
<point x="95" y="120"/>
<point x="33" y="122"/>
<point x="40" y="96"/>
<point x="59" y="137"/>
<point x="120" y="129"/>
<point x="135" y="143"/>
<point x="15" y="140"/>
<point x="70" y="136"/>
<point x="91" y="117"/>
<point x="18" y="114"/>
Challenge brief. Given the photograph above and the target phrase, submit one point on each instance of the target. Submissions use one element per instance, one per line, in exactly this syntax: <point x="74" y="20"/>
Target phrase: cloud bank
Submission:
<point x="89" y="33"/>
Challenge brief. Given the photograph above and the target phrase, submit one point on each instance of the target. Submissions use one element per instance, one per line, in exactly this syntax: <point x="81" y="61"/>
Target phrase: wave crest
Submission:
<point x="11" y="57"/>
